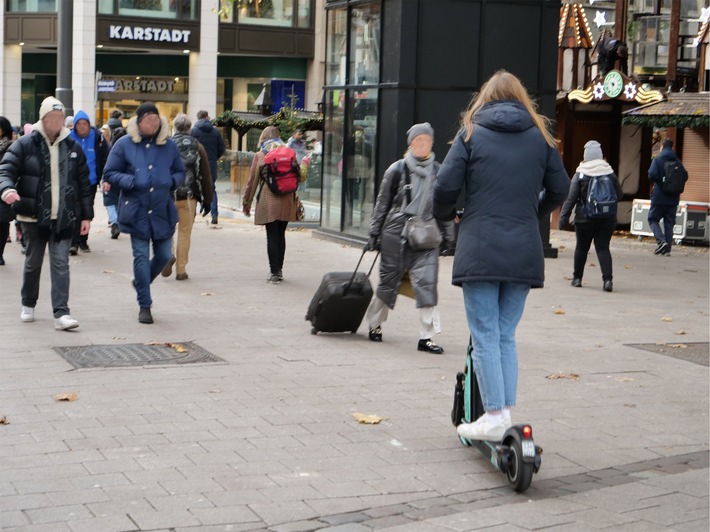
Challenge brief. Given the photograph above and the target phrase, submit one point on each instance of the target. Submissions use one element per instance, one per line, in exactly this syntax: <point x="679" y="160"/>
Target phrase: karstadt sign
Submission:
<point x="138" y="33"/>
<point x="130" y="32"/>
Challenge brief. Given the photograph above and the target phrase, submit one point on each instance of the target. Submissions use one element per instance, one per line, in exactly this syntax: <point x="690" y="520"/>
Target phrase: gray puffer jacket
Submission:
<point x="397" y="257"/>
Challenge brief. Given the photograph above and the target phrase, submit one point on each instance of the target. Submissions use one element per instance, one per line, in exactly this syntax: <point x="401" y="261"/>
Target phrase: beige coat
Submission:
<point x="269" y="206"/>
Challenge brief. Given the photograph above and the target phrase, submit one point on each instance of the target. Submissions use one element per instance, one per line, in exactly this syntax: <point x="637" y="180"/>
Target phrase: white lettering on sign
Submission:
<point x="138" y="33"/>
<point x="145" y="85"/>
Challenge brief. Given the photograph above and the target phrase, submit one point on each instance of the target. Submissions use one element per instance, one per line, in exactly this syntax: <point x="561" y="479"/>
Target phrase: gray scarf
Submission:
<point x="420" y="170"/>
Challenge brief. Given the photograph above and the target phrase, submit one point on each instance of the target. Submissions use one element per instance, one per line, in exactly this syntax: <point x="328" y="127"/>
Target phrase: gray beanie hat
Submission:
<point x="419" y="129"/>
<point x="593" y="151"/>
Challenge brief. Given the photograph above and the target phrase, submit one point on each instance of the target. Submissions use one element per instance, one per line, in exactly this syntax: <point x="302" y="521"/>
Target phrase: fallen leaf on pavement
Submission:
<point x="629" y="405"/>
<point x="679" y="346"/>
<point x="560" y="311"/>
<point x="367" y="419"/>
<point x="561" y="375"/>
<point x="71" y="396"/>
<point x="4" y="421"/>
<point x="680" y="331"/>
<point x="178" y="347"/>
<point x="624" y="379"/>
<point x="107" y="271"/>
<point x="207" y="294"/>
<point x="627" y="266"/>
<point x="666" y="318"/>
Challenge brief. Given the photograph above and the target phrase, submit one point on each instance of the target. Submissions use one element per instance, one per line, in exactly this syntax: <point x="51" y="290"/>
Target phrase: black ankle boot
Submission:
<point x="427" y="345"/>
<point x="144" y="316"/>
<point x="375" y="334"/>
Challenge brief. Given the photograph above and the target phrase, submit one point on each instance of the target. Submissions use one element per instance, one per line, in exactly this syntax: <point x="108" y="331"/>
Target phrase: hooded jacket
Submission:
<point x="95" y="148"/>
<point x="147" y="171"/>
<point x="212" y="140"/>
<point x="511" y="178"/>
<point x="655" y="174"/>
<point x="54" y="202"/>
<point x="579" y="186"/>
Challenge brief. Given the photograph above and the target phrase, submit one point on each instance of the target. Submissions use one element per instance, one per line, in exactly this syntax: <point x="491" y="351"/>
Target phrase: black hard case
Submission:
<point x="340" y="302"/>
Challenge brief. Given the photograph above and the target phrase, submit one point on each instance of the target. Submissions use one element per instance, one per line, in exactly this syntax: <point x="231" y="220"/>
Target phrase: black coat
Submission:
<point x="212" y="140"/>
<point x="579" y="187"/>
<point x="6" y="214"/>
<point x="512" y="178"/>
<point x="26" y="168"/>
<point x="655" y="174"/>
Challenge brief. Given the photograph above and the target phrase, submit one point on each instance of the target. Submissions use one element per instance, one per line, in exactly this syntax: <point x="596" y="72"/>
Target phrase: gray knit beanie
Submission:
<point x="419" y="129"/>
<point x="593" y="151"/>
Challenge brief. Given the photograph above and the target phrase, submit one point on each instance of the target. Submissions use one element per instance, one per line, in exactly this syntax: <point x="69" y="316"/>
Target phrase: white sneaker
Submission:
<point x="65" y="323"/>
<point x="28" y="314"/>
<point x="482" y="429"/>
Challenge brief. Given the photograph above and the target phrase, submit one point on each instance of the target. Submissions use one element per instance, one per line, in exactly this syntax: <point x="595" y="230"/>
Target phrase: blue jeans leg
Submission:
<point x="666" y="213"/>
<point x="112" y="214"/>
<point x="493" y="311"/>
<point x="145" y="269"/>
<point x="213" y="206"/>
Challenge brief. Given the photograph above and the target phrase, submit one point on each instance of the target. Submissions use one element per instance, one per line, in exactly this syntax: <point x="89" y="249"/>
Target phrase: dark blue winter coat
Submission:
<point x="512" y="178"/>
<point x="655" y="174"/>
<point x="147" y="172"/>
<point x="211" y="139"/>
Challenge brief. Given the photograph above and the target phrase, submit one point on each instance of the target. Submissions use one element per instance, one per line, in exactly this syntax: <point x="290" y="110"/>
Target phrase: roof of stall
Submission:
<point x="679" y="109"/>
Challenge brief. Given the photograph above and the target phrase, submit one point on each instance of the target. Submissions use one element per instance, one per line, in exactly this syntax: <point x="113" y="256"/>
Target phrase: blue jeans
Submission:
<point x="493" y="311"/>
<point x="214" y="211"/>
<point x="146" y="269"/>
<point x="667" y="214"/>
<point x="112" y="214"/>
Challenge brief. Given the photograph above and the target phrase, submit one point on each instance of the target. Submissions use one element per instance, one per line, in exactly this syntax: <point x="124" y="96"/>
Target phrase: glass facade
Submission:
<point x="32" y="6"/>
<point x="169" y="9"/>
<point x="352" y="75"/>
<point x="283" y="13"/>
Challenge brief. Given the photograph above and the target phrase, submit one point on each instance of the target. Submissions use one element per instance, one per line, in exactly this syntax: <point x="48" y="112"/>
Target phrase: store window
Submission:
<point x="286" y="13"/>
<point x="365" y="44"/>
<point x="336" y="47"/>
<point x="170" y="9"/>
<point x="32" y="6"/>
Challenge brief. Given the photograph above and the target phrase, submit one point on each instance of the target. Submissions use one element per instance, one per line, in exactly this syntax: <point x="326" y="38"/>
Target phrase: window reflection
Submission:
<point x="32" y="6"/>
<point x="365" y="45"/>
<point x="333" y="123"/>
<point x="173" y="9"/>
<point x="336" y="47"/>
<point x="265" y="12"/>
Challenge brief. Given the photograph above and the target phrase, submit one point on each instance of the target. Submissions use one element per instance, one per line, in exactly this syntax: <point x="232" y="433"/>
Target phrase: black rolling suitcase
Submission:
<point x="341" y="300"/>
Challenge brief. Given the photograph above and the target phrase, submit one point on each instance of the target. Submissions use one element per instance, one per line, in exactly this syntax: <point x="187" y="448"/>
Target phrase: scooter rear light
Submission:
<point x="527" y="432"/>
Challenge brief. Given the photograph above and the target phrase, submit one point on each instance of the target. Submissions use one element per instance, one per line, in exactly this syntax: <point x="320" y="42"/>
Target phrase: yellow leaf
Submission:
<point x="666" y="318"/>
<point x="107" y="271"/>
<point x="679" y="346"/>
<point x="367" y="419"/>
<point x="4" y="421"/>
<point x="624" y="379"/>
<point x="71" y="396"/>
<point x="560" y="311"/>
<point x="680" y="331"/>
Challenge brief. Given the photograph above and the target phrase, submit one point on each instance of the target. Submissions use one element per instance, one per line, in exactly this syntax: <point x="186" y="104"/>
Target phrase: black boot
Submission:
<point x="144" y="316"/>
<point x="375" y="334"/>
<point x="427" y="345"/>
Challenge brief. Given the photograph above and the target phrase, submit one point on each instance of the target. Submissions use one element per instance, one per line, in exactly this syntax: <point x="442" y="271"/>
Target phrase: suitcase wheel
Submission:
<point x="314" y="330"/>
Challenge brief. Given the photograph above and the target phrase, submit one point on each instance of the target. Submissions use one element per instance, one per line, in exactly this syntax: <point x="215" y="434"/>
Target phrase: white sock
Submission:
<point x="494" y="419"/>
<point x="506" y="414"/>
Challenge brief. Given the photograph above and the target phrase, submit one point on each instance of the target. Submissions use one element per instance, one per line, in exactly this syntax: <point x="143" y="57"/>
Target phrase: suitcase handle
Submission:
<point x="352" y="279"/>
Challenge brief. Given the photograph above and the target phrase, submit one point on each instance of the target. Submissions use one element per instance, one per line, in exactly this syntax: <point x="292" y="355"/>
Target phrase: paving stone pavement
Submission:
<point x="268" y="442"/>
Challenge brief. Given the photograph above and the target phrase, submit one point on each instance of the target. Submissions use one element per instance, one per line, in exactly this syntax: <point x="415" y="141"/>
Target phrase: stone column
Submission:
<point x="203" y="65"/>
<point x="84" y="58"/>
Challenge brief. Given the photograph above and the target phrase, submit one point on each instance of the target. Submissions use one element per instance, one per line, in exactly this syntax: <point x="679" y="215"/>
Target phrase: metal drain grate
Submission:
<point x="130" y="355"/>
<point x="696" y="352"/>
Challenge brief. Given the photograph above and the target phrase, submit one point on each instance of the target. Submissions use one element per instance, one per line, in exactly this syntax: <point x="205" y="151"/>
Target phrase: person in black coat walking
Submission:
<point x="507" y="163"/>
<point x="587" y="229"/>
<point x="211" y="139"/>
<point x="6" y="214"/>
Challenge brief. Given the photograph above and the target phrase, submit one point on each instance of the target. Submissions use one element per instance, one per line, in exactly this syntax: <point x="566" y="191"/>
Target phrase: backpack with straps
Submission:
<point x="674" y="178"/>
<point x="187" y="146"/>
<point x="601" y="199"/>
<point x="281" y="171"/>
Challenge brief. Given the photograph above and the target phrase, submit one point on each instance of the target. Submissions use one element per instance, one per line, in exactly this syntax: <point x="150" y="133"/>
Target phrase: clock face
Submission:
<point x="613" y="84"/>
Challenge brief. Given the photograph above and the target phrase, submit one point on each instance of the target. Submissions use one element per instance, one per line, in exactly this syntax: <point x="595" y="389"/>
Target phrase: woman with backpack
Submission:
<point x="273" y="211"/>
<point x="593" y="179"/>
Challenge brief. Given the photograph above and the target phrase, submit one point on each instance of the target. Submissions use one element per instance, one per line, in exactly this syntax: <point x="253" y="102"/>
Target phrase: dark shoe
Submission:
<point x="83" y="246"/>
<point x="115" y="231"/>
<point x="2" y="261"/>
<point x="431" y="347"/>
<point x="661" y="249"/>
<point x="23" y="250"/>
<point x="144" y="316"/>
<point x="608" y="286"/>
<point x="375" y="334"/>
<point x="280" y="275"/>
<point x="168" y="270"/>
<point x="214" y="220"/>
<point x="73" y="250"/>
<point x="181" y="276"/>
<point x="273" y="278"/>
<point x="577" y="283"/>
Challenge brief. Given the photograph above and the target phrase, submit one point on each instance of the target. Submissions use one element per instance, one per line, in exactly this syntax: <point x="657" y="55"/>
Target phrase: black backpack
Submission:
<point x="673" y="178"/>
<point x="192" y="188"/>
<point x="601" y="197"/>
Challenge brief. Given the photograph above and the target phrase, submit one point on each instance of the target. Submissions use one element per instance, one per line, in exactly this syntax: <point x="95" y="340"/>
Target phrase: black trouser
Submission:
<point x="4" y="233"/>
<point x="600" y="232"/>
<point x="276" y="244"/>
<point x="78" y="238"/>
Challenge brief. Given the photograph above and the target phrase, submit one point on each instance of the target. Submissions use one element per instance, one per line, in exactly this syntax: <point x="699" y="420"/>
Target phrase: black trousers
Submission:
<point x="600" y="232"/>
<point x="276" y="244"/>
<point x="4" y="233"/>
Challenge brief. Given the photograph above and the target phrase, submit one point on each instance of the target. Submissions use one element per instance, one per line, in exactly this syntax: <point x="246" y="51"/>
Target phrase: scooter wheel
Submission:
<point x="518" y="472"/>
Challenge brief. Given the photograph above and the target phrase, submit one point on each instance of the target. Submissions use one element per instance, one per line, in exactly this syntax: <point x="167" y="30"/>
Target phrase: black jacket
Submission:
<point x="655" y="174"/>
<point x="26" y="167"/>
<point x="211" y="139"/>
<point x="512" y="178"/>
<point x="578" y="190"/>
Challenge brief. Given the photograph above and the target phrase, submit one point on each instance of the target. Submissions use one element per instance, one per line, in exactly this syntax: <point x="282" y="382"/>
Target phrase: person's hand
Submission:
<point x="205" y="210"/>
<point x="563" y="223"/>
<point x="246" y="210"/>
<point x="372" y="244"/>
<point x="85" y="226"/>
<point x="12" y="197"/>
<point x="105" y="187"/>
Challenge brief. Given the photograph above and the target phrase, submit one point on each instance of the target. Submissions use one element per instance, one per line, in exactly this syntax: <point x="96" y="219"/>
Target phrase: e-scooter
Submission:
<point x="516" y="454"/>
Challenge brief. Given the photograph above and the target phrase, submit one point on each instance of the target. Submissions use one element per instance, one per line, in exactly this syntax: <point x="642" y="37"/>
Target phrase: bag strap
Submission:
<point x="352" y="279"/>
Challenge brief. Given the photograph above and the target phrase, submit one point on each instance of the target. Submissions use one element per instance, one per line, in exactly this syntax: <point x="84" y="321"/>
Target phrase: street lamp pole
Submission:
<point x="64" y="91"/>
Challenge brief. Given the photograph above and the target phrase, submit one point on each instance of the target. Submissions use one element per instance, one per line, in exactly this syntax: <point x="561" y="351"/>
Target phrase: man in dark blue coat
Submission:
<point x="212" y="140"/>
<point x="663" y="205"/>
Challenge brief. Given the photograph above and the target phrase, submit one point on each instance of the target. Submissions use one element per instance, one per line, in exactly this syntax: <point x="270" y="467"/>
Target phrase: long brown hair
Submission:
<point x="505" y="86"/>
<point x="270" y="132"/>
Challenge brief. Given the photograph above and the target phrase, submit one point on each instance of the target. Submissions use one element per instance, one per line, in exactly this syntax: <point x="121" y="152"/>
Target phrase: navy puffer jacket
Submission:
<point x="655" y="174"/>
<point x="512" y="178"/>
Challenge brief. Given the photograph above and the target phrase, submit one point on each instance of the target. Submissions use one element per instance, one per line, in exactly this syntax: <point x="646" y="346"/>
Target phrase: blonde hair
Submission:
<point x="505" y="86"/>
<point x="270" y="132"/>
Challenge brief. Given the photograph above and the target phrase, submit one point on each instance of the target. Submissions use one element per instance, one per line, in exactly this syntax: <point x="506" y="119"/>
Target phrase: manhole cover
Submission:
<point x="128" y="355"/>
<point x="696" y="352"/>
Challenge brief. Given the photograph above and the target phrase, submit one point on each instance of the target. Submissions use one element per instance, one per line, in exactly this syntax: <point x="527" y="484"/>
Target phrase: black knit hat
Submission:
<point x="146" y="108"/>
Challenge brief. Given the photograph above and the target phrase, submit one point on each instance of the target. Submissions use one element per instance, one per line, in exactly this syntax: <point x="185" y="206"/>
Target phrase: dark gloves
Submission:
<point x="372" y="244"/>
<point x="563" y="223"/>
